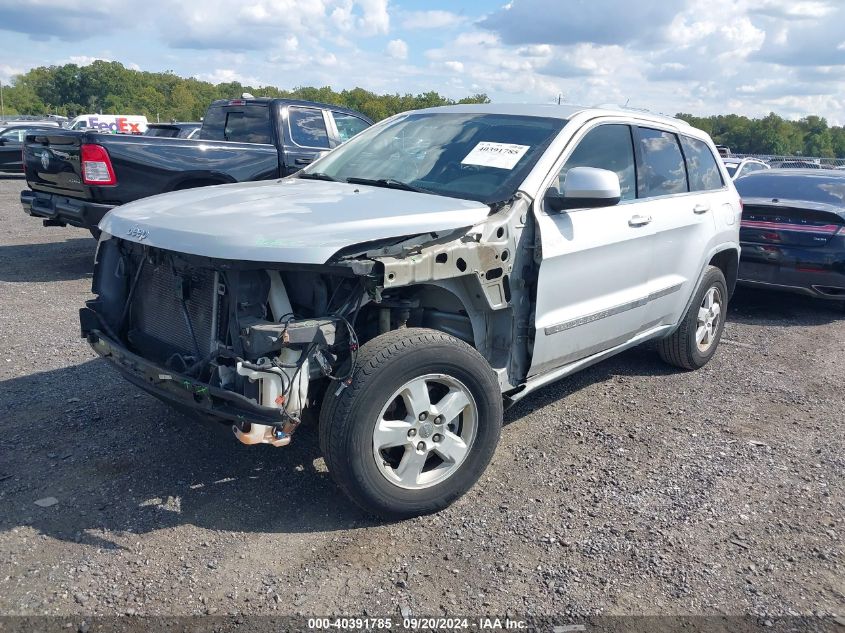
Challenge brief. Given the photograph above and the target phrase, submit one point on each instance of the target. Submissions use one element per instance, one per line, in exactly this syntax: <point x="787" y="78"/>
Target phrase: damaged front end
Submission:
<point x="220" y="338"/>
<point x="255" y="344"/>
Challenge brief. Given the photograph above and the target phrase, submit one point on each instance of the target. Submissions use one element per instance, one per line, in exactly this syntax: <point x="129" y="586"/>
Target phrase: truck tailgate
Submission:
<point x="51" y="162"/>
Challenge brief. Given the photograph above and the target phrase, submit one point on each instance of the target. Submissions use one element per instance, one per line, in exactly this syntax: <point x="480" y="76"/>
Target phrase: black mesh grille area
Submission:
<point x="159" y="323"/>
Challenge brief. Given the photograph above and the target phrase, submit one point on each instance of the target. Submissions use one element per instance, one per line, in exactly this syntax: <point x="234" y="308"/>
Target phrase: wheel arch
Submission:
<point x="442" y="302"/>
<point x="194" y="179"/>
<point x="457" y="307"/>
<point x="727" y="261"/>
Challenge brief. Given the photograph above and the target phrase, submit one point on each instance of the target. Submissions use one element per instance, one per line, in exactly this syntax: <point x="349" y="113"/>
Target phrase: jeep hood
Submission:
<point x="290" y="220"/>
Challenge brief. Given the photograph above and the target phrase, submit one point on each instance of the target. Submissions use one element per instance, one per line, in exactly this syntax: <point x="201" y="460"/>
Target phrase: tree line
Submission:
<point x="110" y="87"/>
<point x="771" y="134"/>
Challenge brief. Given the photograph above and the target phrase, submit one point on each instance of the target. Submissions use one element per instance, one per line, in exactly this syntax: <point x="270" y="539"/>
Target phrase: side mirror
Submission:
<point x="585" y="187"/>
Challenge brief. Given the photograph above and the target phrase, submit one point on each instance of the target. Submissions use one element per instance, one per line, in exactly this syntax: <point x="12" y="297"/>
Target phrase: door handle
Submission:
<point x="303" y="161"/>
<point x="701" y="208"/>
<point x="639" y="220"/>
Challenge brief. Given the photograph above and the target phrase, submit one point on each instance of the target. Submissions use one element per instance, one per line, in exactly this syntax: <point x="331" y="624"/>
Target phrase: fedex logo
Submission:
<point x="121" y="125"/>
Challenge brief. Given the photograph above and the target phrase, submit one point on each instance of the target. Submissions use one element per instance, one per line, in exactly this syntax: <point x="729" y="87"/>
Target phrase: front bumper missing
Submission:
<point x="182" y="391"/>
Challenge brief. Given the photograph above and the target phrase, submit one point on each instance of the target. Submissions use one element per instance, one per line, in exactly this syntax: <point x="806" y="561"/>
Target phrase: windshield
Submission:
<point x="481" y="157"/>
<point x="829" y="189"/>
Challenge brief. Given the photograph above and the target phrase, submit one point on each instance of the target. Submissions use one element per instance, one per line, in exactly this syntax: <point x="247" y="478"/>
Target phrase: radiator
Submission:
<point x="160" y="323"/>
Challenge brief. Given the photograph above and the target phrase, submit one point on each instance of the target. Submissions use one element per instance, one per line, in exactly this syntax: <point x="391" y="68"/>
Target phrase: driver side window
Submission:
<point x="608" y="147"/>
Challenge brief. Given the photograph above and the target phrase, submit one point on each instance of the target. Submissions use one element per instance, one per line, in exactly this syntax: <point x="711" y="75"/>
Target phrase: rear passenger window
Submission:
<point x="662" y="171"/>
<point x="606" y="147"/>
<point x="701" y="165"/>
<point x="252" y="125"/>
<point x="348" y="125"/>
<point x="307" y="127"/>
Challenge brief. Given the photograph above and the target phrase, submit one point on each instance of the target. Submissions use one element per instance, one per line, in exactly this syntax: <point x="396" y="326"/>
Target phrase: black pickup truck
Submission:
<point x="76" y="177"/>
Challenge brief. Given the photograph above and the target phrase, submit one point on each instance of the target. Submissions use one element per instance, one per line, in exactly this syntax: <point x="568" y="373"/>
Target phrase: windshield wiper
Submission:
<point x="316" y="175"/>
<point x="389" y="183"/>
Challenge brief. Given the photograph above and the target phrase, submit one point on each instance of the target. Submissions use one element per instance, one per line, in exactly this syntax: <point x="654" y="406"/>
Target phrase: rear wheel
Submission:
<point x="695" y="341"/>
<point x="417" y="426"/>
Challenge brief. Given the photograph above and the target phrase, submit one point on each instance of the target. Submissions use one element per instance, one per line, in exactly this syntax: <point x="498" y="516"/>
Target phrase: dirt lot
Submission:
<point x="628" y="489"/>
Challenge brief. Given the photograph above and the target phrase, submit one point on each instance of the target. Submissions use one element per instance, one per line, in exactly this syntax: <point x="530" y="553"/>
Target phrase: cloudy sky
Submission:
<point x="697" y="56"/>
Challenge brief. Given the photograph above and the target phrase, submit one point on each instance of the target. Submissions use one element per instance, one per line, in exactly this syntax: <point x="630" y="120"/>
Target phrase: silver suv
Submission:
<point x="414" y="282"/>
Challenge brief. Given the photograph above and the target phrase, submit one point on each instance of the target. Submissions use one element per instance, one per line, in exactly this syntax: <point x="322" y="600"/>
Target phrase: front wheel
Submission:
<point x="417" y="426"/>
<point x="693" y="344"/>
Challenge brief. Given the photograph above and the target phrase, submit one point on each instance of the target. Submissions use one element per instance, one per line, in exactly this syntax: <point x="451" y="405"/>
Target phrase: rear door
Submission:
<point x="308" y="134"/>
<point x="595" y="262"/>
<point x="679" y="177"/>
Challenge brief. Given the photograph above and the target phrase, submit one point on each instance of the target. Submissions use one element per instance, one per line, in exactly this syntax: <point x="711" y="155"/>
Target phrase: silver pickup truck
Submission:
<point x="418" y="279"/>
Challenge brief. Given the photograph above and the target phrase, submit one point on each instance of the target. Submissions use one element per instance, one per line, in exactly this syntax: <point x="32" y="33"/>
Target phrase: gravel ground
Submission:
<point x="629" y="488"/>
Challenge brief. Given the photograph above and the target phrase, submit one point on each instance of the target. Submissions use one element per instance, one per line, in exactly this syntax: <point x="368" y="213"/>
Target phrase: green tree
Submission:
<point x="770" y="135"/>
<point x="817" y="138"/>
<point x="837" y="136"/>
<point x="183" y="105"/>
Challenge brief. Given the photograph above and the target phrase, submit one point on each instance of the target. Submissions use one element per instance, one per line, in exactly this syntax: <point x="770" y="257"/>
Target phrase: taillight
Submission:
<point x="96" y="166"/>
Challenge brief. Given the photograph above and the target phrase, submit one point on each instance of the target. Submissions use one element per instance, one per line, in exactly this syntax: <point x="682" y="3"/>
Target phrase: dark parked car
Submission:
<point x="793" y="231"/>
<point x="11" y="143"/>
<point x="76" y="177"/>
<point x="795" y="164"/>
<point x="34" y="121"/>
<point x="174" y="130"/>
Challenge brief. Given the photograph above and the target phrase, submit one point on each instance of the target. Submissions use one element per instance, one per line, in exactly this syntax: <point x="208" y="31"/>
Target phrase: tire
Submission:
<point x="682" y="348"/>
<point x="399" y="374"/>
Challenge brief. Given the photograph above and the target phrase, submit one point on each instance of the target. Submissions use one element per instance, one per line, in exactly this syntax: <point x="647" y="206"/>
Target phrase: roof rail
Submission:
<point x="627" y="108"/>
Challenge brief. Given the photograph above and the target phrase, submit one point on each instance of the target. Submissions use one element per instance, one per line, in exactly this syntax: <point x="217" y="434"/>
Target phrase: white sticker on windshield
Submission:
<point x="501" y="155"/>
